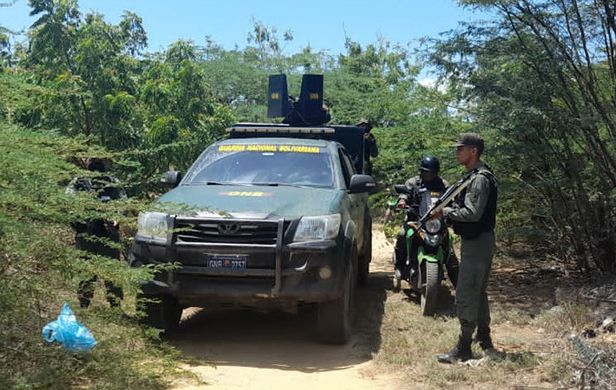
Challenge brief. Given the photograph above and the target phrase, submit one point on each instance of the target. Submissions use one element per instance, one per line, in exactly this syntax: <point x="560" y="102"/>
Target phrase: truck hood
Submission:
<point x="259" y="202"/>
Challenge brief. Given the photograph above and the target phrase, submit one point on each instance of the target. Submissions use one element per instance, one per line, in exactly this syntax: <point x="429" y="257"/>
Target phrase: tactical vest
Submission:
<point x="487" y="222"/>
<point x="436" y="185"/>
<point x="414" y="184"/>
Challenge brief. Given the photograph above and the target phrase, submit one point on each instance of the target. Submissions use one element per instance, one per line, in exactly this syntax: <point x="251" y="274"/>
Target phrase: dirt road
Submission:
<point x="393" y="345"/>
<point x="249" y="350"/>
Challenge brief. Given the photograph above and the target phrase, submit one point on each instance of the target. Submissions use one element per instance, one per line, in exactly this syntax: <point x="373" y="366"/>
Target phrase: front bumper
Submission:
<point x="281" y="271"/>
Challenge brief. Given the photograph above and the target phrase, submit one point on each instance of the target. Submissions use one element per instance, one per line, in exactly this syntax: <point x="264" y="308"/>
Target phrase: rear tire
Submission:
<point x="429" y="291"/>
<point x="161" y="312"/>
<point x="334" y="318"/>
<point x="363" y="273"/>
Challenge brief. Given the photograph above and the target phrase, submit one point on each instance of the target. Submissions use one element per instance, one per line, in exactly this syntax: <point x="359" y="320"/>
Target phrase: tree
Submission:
<point x="542" y="76"/>
<point x="5" y="44"/>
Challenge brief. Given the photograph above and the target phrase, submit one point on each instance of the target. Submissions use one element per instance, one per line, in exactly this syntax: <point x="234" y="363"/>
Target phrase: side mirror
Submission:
<point x="361" y="184"/>
<point x="171" y="179"/>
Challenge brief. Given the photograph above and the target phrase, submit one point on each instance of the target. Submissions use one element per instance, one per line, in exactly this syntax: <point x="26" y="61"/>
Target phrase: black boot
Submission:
<point x="461" y="352"/>
<point x="483" y="337"/>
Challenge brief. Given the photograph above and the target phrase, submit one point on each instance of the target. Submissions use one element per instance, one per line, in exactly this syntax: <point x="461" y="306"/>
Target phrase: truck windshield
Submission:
<point x="263" y="165"/>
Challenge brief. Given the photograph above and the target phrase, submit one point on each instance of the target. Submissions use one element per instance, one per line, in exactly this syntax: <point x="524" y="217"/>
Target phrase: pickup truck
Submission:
<point x="275" y="216"/>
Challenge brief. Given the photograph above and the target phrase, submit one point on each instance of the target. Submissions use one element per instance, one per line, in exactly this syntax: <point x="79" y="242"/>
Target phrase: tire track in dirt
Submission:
<point x="236" y="349"/>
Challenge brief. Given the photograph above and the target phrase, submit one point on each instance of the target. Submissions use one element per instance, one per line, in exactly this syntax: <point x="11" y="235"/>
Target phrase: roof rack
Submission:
<point x="249" y="128"/>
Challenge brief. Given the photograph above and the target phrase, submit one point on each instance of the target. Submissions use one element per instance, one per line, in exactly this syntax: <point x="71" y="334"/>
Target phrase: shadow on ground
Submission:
<point x="527" y="289"/>
<point x="446" y="305"/>
<point x="281" y="340"/>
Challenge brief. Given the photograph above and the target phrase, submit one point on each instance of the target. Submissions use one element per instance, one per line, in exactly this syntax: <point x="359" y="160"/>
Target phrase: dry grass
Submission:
<point x="529" y="324"/>
<point x="410" y="342"/>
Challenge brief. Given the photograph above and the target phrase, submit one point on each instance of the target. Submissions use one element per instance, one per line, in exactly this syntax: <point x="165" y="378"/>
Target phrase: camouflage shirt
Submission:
<point x="474" y="202"/>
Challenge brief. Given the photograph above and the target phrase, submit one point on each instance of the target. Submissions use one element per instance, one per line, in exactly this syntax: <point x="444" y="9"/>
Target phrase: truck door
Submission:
<point x="357" y="201"/>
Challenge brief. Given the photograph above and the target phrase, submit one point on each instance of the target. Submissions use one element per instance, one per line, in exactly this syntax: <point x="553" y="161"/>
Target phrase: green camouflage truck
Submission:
<point x="275" y="216"/>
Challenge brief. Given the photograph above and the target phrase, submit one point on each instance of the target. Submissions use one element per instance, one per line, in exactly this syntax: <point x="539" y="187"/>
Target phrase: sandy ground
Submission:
<point x="250" y="350"/>
<point x="393" y="345"/>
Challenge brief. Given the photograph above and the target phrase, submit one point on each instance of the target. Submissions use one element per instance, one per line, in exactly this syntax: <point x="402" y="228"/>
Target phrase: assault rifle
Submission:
<point x="448" y="196"/>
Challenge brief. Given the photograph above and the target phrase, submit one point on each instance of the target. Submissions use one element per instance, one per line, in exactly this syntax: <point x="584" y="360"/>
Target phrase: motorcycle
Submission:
<point x="424" y="248"/>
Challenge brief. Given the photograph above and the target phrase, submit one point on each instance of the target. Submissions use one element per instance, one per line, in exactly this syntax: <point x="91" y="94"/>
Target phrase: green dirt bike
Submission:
<point x="424" y="249"/>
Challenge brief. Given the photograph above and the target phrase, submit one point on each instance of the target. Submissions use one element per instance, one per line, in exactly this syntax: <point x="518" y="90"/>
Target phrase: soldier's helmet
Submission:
<point x="430" y="164"/>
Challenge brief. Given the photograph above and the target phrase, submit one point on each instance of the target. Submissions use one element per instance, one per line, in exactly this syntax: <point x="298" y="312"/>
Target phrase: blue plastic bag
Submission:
<point x="67" y="331"/>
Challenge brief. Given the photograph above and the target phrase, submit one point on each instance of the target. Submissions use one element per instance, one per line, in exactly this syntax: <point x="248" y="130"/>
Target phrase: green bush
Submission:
<point x="40" y="269"/>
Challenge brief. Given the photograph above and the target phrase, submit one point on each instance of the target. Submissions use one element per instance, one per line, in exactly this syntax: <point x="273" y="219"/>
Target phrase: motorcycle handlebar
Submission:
<point x="401" y="189"/>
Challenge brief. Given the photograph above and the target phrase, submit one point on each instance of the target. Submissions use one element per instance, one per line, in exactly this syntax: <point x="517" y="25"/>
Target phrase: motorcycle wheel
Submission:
<point x="429" y="291"/>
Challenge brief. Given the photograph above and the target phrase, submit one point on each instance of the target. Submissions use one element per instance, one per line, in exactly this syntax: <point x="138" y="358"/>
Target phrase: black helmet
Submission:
<point x="430" y="164"/>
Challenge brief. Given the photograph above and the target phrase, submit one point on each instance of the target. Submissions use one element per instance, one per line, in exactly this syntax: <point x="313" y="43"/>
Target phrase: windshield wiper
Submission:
<point x="282" y="185"/>
<point x="266" y="184"/>
<point x="207" y="183"/>
<point x="216" y="183"/>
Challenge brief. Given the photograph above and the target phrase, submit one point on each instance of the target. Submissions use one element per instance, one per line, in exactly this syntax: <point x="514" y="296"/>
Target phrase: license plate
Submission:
<point x="227" y="261"/>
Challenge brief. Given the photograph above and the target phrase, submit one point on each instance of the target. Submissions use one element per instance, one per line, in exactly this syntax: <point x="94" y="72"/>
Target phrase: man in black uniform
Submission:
<point x="473" y="217"/>
<point x="86" y="233"/>
<point x="428" y="178"/>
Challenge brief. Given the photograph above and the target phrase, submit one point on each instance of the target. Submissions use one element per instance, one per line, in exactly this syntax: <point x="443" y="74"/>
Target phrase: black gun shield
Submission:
<point x="311" y="96"/>
<point x="278" y="96"/>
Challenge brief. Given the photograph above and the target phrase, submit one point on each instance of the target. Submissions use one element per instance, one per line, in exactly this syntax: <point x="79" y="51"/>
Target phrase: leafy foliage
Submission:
<point x="541" y="78"/>
<point x="538" y="83"/>
<point x="39" y="269"/>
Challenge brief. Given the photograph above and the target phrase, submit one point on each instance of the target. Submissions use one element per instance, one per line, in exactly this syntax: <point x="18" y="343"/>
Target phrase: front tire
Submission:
<point x="334" y="318"/>
<point x="161" y="312"/>
<point x="429" y="290"/>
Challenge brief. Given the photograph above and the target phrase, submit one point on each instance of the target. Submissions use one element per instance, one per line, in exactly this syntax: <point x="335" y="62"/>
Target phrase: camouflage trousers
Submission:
<point x="471" y="298"/>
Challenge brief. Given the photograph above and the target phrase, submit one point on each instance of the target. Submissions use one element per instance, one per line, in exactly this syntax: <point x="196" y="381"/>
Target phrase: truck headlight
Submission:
<point x="322" y="227"/>
<point x="153" y="226"/>
<point x="433" y="225"/>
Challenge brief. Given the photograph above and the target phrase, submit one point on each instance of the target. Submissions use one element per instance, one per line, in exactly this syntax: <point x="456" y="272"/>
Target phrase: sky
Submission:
<point x="321" y="24"/>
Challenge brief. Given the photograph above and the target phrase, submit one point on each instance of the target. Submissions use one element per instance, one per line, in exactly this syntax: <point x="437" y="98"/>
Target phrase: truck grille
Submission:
<point x="228" y="231"/>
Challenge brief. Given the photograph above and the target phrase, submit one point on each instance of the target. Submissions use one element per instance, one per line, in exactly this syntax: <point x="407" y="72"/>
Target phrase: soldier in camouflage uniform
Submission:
<point x="473" y="216"/>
